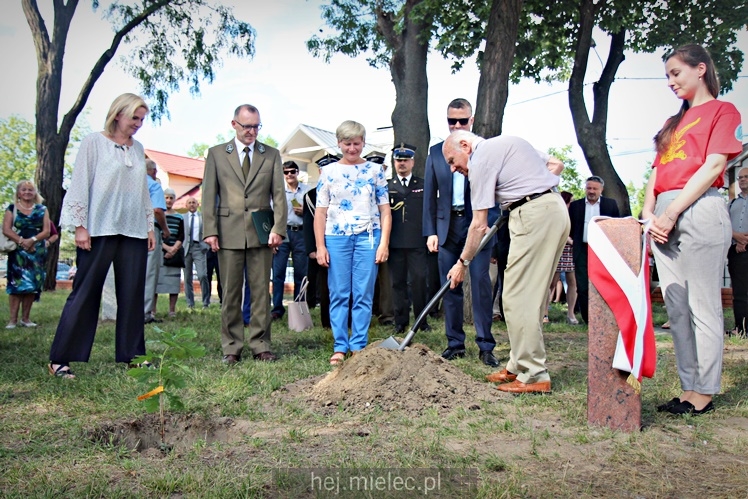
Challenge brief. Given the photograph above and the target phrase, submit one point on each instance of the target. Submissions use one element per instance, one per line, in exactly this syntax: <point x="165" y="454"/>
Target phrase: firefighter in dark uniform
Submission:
<point x="408" y="252"/>
<point x="382" y="306"/>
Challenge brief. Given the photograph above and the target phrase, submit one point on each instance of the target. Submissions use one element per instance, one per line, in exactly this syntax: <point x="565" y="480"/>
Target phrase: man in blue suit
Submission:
<point x="446" y="217"/>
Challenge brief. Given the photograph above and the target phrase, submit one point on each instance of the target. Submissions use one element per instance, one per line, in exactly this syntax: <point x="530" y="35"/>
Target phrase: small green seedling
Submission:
<point x="163" y="370"/>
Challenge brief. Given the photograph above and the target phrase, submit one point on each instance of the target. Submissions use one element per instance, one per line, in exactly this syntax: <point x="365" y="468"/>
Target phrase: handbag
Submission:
<point x="177" y="260"/>
<point x="6" y="244"/>
<point x="299" y="318"/>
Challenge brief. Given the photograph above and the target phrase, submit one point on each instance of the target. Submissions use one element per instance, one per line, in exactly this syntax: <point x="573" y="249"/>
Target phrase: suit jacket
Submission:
<point x="199" y="221"/>
<point x="229" y="200"/>
<point x="437" y="200"/>
<point x="308" y="208"/>
<point x="407" y="213"/>
<point x="608" y="208"/>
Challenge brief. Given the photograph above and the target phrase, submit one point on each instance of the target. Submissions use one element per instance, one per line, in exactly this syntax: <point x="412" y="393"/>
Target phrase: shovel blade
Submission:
<point x="390" y="344"/>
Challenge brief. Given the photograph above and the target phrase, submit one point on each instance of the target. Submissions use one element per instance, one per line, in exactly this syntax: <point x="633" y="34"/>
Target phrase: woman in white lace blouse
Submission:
<point x="108" y="206"/>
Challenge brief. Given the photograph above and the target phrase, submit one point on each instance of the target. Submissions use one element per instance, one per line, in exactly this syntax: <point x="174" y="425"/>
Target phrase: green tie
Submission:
<point x="245" y="163"/>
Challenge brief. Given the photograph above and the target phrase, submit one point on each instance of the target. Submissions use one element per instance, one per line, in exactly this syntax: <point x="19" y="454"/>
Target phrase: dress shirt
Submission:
<point x="590" y="210"/>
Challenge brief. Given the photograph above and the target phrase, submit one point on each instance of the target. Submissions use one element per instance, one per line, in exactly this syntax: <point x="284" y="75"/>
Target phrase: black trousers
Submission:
<point x="583" y="283"/>
<point x="408" y="265"/>
<point x="318" y="291"/>
<point x="77" y="327"/>
<point x="211" y="262"/>
<point x="737" y="264"/>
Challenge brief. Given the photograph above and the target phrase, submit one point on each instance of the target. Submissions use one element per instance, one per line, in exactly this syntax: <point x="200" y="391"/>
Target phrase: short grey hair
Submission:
<point x="150" y="165"/>
<point x="455" y="137"/>
<point x="595" y="178"/>
<point x="170" y="192"/>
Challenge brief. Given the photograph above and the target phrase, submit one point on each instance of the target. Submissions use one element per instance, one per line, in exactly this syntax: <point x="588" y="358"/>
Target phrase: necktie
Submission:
<point x="405" y="182"/>
<point x="192" y="226"/>
<point x="245" y="163"/>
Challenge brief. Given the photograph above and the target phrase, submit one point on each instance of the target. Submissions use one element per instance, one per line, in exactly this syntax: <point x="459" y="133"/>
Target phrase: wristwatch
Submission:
<point x="33" y="238"/>
<point x="465" y="262"/>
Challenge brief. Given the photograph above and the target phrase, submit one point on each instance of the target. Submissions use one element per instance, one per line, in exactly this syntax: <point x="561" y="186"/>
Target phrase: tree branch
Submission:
<point x="69" y="120"/>
<point x="38" y="30"/>
<point x="602" y="87"/>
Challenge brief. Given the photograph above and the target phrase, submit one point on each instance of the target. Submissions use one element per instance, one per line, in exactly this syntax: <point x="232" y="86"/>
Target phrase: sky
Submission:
<point x="291" y="87"/>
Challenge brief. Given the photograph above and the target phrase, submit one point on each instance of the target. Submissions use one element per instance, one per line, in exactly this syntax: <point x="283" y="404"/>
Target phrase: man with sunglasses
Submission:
<point x="581" y="212"/>
<point x="293" y="245"/>
<point x="242" y="177"/>
<point x="446" y="217"/>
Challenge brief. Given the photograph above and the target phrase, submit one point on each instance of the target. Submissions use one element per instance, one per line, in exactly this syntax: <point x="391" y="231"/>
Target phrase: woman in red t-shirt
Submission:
<point x="690" y="223"/>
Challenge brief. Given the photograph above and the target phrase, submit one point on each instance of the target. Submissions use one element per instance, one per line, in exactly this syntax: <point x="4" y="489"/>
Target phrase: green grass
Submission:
<point x="53" y="442"/>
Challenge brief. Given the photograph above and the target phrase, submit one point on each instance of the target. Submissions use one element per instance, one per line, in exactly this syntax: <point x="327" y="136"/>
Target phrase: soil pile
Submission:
<point x="413" y="381"/>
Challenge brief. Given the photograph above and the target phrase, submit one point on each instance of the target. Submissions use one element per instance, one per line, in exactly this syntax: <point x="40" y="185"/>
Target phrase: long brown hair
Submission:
<point x="692" y="55"/>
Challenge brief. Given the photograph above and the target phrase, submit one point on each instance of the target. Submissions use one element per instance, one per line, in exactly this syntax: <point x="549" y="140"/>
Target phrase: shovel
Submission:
<point x="391" y="343"/>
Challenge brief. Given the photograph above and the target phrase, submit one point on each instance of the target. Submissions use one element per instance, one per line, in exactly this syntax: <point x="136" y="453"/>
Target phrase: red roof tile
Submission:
<point x="177" y="165"/>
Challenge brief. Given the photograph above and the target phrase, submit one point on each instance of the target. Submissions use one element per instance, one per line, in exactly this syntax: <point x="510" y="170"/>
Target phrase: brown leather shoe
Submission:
<point x="230" y="360"/>
<point x="266" y="357"/>
<point x="517" y="386"/>
<point x="502" y="376"/>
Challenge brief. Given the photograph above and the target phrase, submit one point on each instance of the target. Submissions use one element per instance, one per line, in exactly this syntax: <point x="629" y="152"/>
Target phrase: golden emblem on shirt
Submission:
<point x="675" y="149"/>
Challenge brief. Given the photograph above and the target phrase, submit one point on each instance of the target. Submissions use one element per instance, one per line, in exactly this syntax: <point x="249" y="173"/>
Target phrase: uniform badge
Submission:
<point x="230" y="148"/>
<point x="261" y="148"/>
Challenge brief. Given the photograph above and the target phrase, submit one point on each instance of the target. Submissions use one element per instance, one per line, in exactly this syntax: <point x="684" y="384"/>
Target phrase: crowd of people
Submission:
<point x="372" y="246"/>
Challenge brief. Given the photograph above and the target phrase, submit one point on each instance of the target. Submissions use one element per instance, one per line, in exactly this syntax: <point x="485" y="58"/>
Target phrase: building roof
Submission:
<point x="307" y="144"/>
<point x="181" y="203"/>
<point x="174" y="164"/>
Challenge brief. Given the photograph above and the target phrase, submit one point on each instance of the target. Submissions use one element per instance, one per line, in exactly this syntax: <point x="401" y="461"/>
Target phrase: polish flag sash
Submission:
<point x="627" y="295"/>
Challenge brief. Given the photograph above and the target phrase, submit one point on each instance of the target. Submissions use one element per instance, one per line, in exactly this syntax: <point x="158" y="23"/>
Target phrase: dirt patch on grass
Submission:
<point x="376" y="378"/>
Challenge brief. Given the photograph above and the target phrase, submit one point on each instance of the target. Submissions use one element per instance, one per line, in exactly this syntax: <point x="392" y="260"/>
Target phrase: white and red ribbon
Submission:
<point x="627" y="295"/>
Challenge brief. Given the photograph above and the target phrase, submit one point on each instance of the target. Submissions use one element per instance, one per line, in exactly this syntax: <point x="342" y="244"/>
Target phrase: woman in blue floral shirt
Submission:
<point x="352" y="229"/>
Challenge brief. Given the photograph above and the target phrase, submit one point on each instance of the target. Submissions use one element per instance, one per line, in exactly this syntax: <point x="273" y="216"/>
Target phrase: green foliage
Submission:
<point x="18" y="152"/>
<point x="636" y="194"/>
<point x="168" y="352"/>
<point x="570" y="179"/>
<point x="357" y="32"/>
<point x="174" y="41"/>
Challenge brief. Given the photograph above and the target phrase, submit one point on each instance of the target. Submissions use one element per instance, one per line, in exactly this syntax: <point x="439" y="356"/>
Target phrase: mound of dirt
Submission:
<point x="413" y="381"/>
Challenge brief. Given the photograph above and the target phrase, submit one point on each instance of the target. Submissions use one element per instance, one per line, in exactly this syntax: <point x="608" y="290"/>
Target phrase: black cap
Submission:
<point x="375" y="157"/>
<point x="403" y="151"/>
<point x="327" y="159"/>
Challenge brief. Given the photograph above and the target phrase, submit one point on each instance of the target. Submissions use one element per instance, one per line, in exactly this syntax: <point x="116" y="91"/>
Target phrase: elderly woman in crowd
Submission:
<point x="26" y="222"/>
<point x="352" y="230"/>
<point x="170" y="273"/>
<point x="108" y="206"/>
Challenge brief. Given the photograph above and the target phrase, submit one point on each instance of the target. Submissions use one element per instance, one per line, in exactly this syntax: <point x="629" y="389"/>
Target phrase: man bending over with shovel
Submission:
<point x="512" y="172"/>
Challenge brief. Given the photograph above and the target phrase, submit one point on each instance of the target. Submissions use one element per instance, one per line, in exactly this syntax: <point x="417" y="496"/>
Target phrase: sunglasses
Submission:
<point x="289" y="172"/>
<point x="461" y="121"/>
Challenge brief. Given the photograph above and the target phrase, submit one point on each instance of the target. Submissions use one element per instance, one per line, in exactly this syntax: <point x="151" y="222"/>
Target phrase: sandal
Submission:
<point x="62" y="371"/>
<point x="337" y="358"/>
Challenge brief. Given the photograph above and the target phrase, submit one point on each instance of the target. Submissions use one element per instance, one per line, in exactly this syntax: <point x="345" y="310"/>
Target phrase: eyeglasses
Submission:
<point x="289" y="172"/>
<point x="461" y="121"/>
<point x="250" y="127"/>
<point x="742" y="177"/>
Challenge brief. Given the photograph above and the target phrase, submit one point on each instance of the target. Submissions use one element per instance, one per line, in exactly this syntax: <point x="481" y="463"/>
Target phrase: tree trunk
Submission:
<point x="408" y="69"/>
<point x="496" y="65"/>
<point x="591" y="134"/>
<point x="49" y="171"/>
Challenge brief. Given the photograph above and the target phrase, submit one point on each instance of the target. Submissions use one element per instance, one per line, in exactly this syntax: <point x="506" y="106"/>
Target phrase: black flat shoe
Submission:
<point x="487" y="357"/>
<point x="688" y="408"/>
<point x="668" y="405"/>
<point x="453" y="353"/>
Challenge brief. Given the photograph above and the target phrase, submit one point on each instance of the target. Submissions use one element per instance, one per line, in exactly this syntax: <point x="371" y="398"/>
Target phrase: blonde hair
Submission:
<point x="38" y="199"/>
<point x="350" y="130"/>
<point x="125" y="103"/>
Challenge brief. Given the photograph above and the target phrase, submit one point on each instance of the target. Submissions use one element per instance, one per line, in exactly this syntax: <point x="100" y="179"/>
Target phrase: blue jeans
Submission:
<point x="293" y="246"/>
<point x="352" y="272"/>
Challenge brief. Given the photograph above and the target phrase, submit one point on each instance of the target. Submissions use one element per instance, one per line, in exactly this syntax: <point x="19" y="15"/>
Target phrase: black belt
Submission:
<point x="458" y="212"/>
<point x="526" y="199"/>
<point x="295" y="228"/>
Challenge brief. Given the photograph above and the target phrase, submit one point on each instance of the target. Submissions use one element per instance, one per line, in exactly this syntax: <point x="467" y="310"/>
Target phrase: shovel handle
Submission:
<point x="445" y="287"/>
